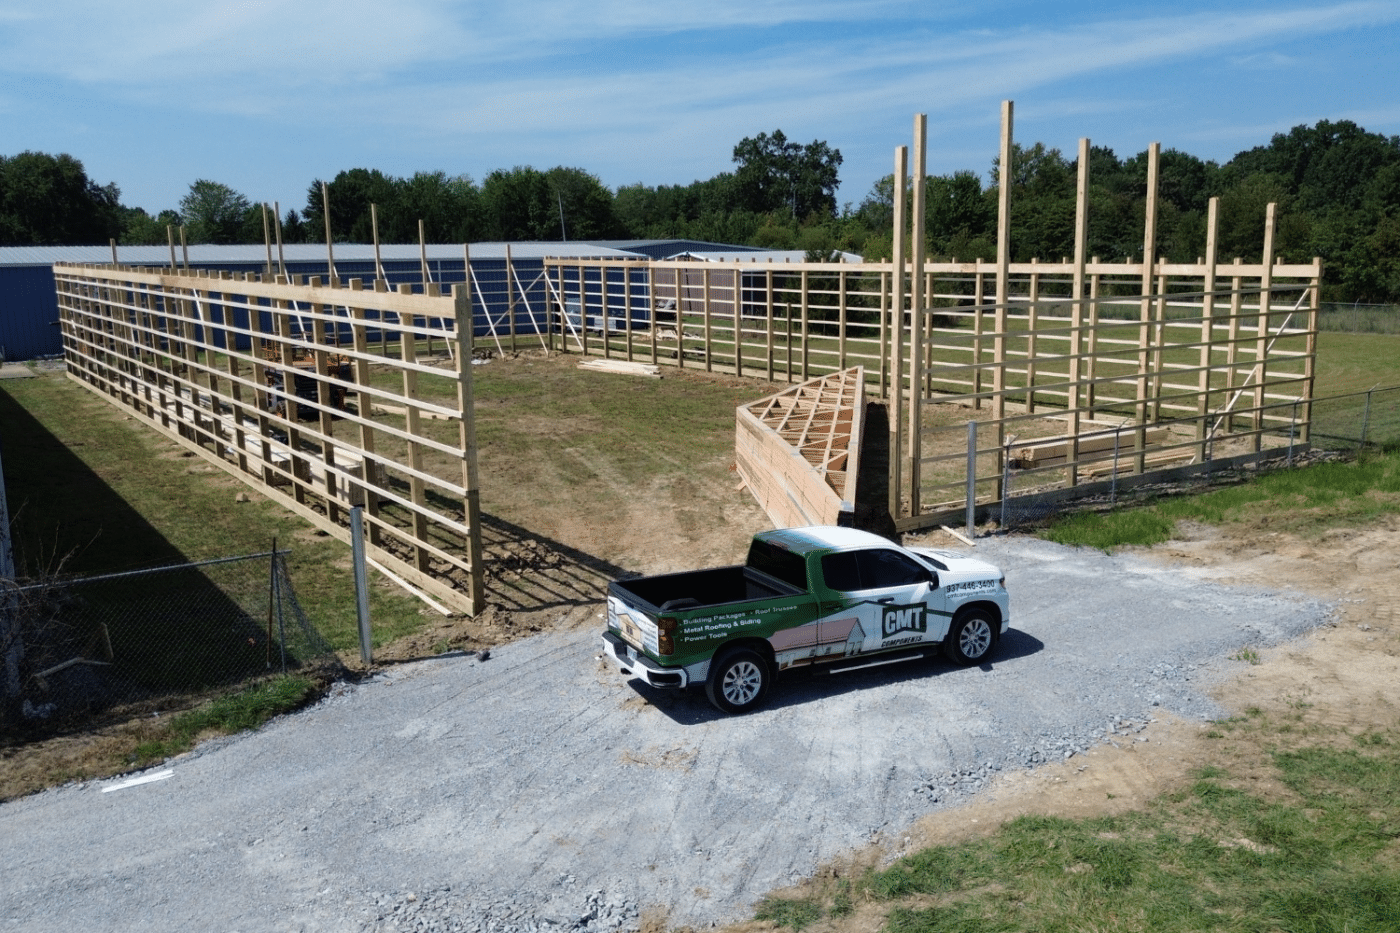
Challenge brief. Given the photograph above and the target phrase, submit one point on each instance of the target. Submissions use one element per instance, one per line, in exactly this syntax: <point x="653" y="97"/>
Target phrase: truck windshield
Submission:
<point x="779" y="563"/>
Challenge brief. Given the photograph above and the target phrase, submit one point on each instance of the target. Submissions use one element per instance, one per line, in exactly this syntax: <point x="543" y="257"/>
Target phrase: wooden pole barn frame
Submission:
<point x="252" y="372"/>
<point x="1079" y="373"/>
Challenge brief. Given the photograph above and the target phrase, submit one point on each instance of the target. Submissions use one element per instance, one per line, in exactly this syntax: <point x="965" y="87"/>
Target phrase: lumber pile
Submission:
<point x="622" y="368"/>
<point x="1055" y="451"/>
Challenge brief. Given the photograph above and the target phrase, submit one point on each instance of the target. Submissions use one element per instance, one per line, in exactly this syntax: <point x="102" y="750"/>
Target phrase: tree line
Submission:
<point x="1337" y="187"/>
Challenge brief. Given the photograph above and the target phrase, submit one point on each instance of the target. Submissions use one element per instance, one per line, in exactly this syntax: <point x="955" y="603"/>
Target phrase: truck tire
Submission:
<point x="970" y="637"/>
<point x="738" y="681"/>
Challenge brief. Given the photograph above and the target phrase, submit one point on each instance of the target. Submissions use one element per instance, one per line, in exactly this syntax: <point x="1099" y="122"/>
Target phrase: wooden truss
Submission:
<point x="799" y="451"/>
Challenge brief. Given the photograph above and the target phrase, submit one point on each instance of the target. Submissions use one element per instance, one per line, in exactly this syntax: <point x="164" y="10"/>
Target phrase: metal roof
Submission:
<point x="758" y="255"/>
<point x="301" y="252"/>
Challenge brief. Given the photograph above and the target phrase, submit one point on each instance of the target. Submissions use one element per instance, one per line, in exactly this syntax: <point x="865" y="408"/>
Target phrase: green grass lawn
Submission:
<point x="1221" y="855"/>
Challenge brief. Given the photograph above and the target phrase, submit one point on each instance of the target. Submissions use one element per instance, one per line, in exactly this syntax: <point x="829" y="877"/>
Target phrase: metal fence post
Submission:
<point x="1113" y="484"/>
<point x="1005" y="478"/>
<point x="971" y="474"/>
<point x="1292" y="430"/>
<point x="1365" y="421"/>
<point x="357" y="551"/>
<point x="277" y="599"/>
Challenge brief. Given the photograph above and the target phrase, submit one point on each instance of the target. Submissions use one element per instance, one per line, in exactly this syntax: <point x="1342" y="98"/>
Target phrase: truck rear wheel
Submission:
<point x="738" y="681"/>
<point x="970" y="638"/>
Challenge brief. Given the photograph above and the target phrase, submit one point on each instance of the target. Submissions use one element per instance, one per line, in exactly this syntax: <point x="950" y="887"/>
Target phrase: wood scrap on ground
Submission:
<point x="622" y="368"/>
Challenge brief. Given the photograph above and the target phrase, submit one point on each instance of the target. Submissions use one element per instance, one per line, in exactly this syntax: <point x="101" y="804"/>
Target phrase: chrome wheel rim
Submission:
<point x="975" y="638"/>
<point x="741" y="683"/>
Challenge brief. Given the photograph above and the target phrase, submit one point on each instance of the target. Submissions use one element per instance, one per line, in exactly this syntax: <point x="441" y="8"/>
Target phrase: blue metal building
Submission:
<point x="29" y="304"/>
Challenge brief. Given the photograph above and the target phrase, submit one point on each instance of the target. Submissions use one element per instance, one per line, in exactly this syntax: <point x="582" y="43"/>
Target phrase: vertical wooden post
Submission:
<point x="768" y="290"/>
<point x="841" y="319"/>
<point x="1149" y="250"/>
<point x="1203" y="378"/>
<point x="627" y="307"/>
<point x="1032" y="324"/>
<point x="651" y="314"/>
<point x="364" y="404"/>
<point x="1310" y="351"/>
<point x="1233" y="348"/>
<point x="1092" y="343"/>
<point x="378" y="263"/>
<point x="1005" y="172"/>
<point x="417" y="488"/>
<point x="267" y="239"/>
<point x="466" y="406"/>
<point x="682" y="277"/>
<point x="604" y="313"/>
<point x="1159" y="339"/>
<point x="979" y="317"/>
<point x="277" y="225"/>
<point x="1076" y="314"/>
<point x="467" y="338"/>
<point x="806" y="329"/>
<point x="705" y="304"/>
<point x="738" y="320"/>
<point x="510" y="303"/>
<point x="423" y="255"/>
<point x="901" y="173"/>
<point x="330" y="250"/>
<point x="321" y="374"/>
<point x="918" y="255"/>
<point x="884" y="336"/>
<point x="1261" y="346"/>
<point x="788" y="341"/>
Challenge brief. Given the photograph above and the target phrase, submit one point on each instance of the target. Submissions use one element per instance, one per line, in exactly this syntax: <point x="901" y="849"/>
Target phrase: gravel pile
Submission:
<point x="446" y="911"/>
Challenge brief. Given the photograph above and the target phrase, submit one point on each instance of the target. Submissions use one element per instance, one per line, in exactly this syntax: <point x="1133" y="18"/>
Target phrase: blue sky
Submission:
<point x="265" y="95"/>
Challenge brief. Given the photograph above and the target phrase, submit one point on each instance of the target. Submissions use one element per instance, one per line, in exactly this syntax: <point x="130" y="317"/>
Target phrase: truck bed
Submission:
<point x="695" y="589"/>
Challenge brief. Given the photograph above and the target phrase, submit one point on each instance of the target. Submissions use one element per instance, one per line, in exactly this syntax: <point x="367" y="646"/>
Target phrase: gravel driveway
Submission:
<point x="538" y="790"/>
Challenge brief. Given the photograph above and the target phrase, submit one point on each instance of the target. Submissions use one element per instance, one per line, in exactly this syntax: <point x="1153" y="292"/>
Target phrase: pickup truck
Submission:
<point x="804" y="596"/>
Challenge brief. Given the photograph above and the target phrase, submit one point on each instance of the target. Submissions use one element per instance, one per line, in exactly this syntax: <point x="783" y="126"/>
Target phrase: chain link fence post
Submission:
<point x="357" y="550"/>
<point x="972" y="477"/>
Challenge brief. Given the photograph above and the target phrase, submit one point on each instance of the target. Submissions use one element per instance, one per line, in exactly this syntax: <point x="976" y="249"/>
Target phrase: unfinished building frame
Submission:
<point x="255" y="374"/>
<point x="1073" y="372"/>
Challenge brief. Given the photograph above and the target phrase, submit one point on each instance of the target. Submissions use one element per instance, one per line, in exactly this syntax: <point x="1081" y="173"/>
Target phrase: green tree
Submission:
<point x="585" y="206"/>
<point x="141" y="229"/>
<point x="351" y="193"/>
<point x="776" y="175"/>
<point x="516" y="205"/>
<point x="48" y="200"/>
<point x="214" y="213"/>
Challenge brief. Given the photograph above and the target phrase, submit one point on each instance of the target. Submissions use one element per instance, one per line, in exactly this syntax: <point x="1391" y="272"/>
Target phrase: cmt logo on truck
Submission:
<point x="905" y="619"/>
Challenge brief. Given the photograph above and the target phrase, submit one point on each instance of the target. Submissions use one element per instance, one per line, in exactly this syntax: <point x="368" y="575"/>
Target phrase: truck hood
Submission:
<point x="959" y="568"/>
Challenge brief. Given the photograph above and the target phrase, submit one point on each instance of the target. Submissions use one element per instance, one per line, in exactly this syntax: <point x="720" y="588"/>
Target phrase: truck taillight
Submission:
<point x="665" y="637"/>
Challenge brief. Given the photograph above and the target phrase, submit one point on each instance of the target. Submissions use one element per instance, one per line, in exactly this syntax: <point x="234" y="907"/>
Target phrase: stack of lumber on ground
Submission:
<point x="622" y="367"/>
<point x="1055" y="451"/>
<point x="798" y="451"/>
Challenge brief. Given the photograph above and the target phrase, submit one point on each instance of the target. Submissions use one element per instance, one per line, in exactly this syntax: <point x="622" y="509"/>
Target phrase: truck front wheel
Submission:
<point x="738" y="681"/>
<point x="970" y="638"/>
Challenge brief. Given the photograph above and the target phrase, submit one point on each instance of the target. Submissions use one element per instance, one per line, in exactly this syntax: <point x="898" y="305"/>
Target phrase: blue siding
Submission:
<point x="28" y="313"/>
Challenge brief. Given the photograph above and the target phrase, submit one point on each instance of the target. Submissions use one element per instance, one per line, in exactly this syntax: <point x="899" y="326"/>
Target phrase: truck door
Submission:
<point x="896" y="599"/>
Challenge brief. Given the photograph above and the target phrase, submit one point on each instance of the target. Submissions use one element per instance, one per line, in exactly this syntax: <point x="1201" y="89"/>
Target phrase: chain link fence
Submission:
<point x="79" y="647"/>
<point x="1344" y="425"/>
<point x="1357" y="318"/>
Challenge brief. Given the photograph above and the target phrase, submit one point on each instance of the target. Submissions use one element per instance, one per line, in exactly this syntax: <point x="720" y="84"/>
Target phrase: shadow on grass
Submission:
<point x="526" y="571"/>
<point x="87" y="646"/>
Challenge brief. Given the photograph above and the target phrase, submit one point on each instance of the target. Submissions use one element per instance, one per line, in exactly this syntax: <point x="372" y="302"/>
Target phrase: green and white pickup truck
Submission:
<point x="804" y="596"/>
